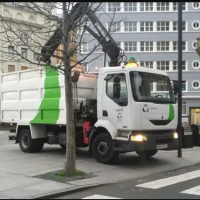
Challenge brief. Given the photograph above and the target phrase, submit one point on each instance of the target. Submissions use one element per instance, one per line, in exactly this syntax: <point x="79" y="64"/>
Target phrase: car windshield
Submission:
<point x="149" y="87"/>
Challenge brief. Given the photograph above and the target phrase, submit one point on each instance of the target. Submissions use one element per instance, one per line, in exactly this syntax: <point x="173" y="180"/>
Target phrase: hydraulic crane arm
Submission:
<point x="110" y="47"/>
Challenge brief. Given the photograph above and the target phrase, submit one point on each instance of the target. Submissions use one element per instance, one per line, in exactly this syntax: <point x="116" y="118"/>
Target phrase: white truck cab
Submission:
<point x="118" y="110"/>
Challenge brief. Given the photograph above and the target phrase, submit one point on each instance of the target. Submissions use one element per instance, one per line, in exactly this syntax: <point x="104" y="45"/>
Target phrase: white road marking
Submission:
<point x="99" y="197"/>
<point x="171" y="180"/>
<point x="193" y="191"/>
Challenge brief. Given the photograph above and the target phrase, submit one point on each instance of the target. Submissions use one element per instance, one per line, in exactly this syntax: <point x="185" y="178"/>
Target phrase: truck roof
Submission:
<point x="138" y="69"/>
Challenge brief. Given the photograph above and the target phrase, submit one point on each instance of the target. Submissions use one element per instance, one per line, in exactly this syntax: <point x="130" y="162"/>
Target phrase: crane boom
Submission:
<point x="115" y="53"/>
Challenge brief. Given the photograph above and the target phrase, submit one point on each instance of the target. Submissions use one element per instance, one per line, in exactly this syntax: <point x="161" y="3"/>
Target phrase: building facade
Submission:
<point x="149" y="32"/>
<point x="24" y="17"/>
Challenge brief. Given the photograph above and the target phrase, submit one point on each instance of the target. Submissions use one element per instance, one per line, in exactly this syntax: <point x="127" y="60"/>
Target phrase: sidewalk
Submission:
<point x="17" y="170"/>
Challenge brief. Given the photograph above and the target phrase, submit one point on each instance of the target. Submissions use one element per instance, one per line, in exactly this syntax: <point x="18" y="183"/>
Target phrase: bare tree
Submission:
<point x="44" y="42"/>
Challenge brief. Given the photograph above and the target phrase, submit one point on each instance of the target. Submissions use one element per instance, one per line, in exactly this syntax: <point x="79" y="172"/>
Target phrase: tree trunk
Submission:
<point x="70" y="146"/>
<point x="70" y="164"/>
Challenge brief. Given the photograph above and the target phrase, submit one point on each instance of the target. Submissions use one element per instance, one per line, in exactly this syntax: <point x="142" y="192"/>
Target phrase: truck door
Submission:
<point x="116" y="101"/>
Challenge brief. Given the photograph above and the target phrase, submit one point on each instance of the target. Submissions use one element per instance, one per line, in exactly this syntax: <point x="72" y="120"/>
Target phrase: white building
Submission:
<point x="24" y="17"/>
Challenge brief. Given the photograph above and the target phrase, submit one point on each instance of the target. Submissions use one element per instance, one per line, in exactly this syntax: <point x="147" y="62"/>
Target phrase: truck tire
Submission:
<point x="148" y="154"/>
<point x="102" y="149"/>
<point x="27" y="144"/>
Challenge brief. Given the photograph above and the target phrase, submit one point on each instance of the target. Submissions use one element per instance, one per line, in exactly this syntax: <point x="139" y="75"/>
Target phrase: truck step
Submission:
<point x="11" y="137"/>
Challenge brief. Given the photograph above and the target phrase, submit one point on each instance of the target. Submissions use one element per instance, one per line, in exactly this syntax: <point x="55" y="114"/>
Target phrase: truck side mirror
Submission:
<point x="116" y="90"/>
<point x="175" y="87"/>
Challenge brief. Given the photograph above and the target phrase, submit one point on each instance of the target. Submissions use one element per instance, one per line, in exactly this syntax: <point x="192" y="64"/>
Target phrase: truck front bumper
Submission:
<point x="154" y="142"/>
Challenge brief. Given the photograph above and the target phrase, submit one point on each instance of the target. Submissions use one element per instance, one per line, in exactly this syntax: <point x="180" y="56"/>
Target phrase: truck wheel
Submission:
<point x="148" y="154"/>
<point x="102" y="149"/>
<point x="27" y="144"/>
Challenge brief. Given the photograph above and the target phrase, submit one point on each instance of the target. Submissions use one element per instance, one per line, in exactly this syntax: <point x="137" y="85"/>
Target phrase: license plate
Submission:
<point x="162" y="146"/>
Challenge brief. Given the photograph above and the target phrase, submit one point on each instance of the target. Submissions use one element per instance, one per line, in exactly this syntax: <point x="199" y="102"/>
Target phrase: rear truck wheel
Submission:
<point x="102" y="149"/>
<point x="27" y="144"/>
<point x="147" y="154"/>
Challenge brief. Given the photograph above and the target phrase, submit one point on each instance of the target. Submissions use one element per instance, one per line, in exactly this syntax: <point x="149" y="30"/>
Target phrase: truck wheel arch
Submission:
<point x="37" y="131"/>
<point x="94" y="133"/>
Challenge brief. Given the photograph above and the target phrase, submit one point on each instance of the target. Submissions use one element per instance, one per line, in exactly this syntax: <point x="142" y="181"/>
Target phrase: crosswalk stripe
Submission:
<point x="171" y="180"/>
<point x="99" y="197"/>
<point x="193" y="191"/>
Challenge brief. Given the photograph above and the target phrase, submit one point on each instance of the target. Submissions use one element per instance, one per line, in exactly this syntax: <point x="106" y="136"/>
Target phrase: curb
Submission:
<point x="82" y="188"/>
<point x="66" y="191"/>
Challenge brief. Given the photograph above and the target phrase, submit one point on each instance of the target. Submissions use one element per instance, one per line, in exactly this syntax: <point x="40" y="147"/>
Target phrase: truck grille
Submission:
<point x="160" y="122"/>
<point x="163" y="141"/>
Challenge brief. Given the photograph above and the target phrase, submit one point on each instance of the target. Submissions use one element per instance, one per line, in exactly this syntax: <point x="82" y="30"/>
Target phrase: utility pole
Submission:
<point x="180" y="78"/>
<point x="104" y="59"/>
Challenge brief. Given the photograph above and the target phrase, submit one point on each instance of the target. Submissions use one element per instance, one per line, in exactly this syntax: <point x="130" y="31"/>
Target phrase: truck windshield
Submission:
<point x="149" y="87"/>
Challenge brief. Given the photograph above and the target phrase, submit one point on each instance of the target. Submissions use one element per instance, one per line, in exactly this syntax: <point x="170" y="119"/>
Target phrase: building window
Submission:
<point x="195" y="44"/>
<point x="162" y="26"/>
<point x="14" y="4"/>
<point x="175" y="6"/>
<point x="163" y="65"/>
<point x="24" y="68"/>
<point x="183" y="85"/>
<point x="24" y="52"/>
<point x="163" y="46"/>
<point x="175" y="65"/>
<point x="36" y="57"/>
<point x="175" y="26"/>
<point x="11" y="51"/>
<point x="196" y="5"/>
<point x="162" y="6"/>
<point x="130" y="26"/>
<point x="196" y="64"/>
<point x="130" y="46"/>
<point x="146" y="26"/>
<point x="24" y="38"/>
<point x="184" y="108"/>
<point x="114" y="26"/>
<point x="130" y="6"/>
<point x="146" y="6"/>
<point x="86" y="68"/>
<point x="114" y="6"/>
<point x="84" y="48"/>
<point x="195" y="84"/>
<point x="175" y="46"/>
<point x="148" y="64"/>
<point x="161" y="86"/>
<point x="196" y="25"/>
<point x="11" y="68"/>
<point x="146" y="46"/>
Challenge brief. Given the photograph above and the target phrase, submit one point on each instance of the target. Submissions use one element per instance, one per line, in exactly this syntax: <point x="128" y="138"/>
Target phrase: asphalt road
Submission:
<point x="4" y="138"/>
<point x="178" y="184"/>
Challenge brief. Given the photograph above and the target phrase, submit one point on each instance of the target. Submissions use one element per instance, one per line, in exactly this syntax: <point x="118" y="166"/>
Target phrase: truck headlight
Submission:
<point x="175" y="135"/>
<point x="138" y="138"/>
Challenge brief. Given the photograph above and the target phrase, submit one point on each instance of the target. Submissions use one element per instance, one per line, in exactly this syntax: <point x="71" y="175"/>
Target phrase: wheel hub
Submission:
<point x="25" y="141"/>
<point x="103" y="149"/>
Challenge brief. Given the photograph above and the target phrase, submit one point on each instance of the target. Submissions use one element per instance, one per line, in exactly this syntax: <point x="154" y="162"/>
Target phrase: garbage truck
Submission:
<point x="117" y="110"/>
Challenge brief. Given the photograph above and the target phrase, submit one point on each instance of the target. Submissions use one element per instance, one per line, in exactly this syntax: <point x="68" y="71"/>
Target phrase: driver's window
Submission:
<point x="116" y="88"/>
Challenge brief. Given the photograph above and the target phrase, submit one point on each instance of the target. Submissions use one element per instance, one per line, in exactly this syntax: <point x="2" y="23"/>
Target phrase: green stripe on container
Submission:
<point x="49" y="111"/>
<point x="171" y="112"/>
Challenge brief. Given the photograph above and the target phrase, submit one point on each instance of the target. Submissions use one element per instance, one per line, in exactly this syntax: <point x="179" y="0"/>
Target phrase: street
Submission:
<point x="4" y="140"/>
<point x="163" y="177"/>
<point x="177" y="184"/>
